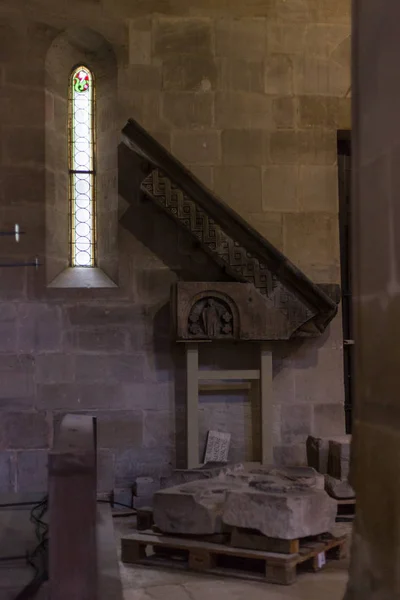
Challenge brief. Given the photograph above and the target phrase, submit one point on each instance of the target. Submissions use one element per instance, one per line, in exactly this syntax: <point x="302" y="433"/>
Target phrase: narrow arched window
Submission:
<point x="82" y="167"/>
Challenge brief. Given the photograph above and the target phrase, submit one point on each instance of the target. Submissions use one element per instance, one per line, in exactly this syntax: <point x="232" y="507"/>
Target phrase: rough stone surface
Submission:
<point x="208" y="471"/>
<point x="283" y="503"/>
<point x="340" y="489"/>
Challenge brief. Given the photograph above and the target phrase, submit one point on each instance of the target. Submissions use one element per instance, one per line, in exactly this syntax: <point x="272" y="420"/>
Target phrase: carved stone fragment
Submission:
<point x="284" y="503"/>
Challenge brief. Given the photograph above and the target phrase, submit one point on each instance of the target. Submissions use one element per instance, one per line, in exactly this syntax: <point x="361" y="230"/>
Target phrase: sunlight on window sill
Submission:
<point x="82" y="277"/>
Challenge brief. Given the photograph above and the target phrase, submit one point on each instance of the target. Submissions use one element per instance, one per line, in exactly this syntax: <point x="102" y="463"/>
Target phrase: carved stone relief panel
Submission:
<point x="211" y="317"/>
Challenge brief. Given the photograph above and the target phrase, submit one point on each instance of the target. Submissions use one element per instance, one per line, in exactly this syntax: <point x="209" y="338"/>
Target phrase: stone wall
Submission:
<point x="249" y="96"/>
<point x="376" y="441"/>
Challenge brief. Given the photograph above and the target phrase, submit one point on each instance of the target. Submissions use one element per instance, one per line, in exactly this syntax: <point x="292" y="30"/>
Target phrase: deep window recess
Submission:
<point x="82" y="171"/>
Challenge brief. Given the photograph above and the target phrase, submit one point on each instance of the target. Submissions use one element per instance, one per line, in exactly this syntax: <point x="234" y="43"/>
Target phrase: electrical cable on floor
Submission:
<point x="40" y="553"/>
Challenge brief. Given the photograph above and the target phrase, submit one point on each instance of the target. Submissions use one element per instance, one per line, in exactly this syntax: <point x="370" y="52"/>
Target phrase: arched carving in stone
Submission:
<point x="213" y="317"/>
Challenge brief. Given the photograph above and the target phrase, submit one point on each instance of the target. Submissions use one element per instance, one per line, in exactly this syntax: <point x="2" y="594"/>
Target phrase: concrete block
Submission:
<point x="280" y="188"/>
<point x="140" y="77"/>
<point x="54" y="368"/>
<point x="197" y="147"/>
<point x="269" y="224"/>
<point x="240" y="110"/>
<point x="284" y="112"/>
<point x="279" y="75"/>
<point x="318" y="189"/>
<point x="296" y="423"/>
<point x="24" y="430"/>
<point x="189" y="73"/>
<point x="32" y="471"/>
<point x="40" y="327"/>
<point x="182" y="36"/>
<point x="311" y="238"/>
<point x="329" y="419"/>
<point x="240" y="188"/>
<point x="304" y="147"/>
<point x="6" y="473"/>
<point x="324" y="111"/>
<point x="244" y="147"/>
<point x="188" y="111"/>
<point x="238" y="38"/>
<point x="240" y="75"/>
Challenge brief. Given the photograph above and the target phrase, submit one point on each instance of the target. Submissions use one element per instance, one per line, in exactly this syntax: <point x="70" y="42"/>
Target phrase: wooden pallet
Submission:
<point x="151" y="549"/>
<point x="346" y="510"/>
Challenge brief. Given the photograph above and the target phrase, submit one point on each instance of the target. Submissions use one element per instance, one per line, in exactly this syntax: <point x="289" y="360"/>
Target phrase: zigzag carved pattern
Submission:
<point x="239" y="262"/>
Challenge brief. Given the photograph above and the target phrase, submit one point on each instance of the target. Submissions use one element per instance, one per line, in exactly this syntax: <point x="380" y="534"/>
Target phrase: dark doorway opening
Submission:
<point x="344" y="172"/>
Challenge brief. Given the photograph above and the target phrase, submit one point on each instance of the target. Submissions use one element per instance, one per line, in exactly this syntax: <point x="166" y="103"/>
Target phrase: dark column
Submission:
<point x="375" y="571"/>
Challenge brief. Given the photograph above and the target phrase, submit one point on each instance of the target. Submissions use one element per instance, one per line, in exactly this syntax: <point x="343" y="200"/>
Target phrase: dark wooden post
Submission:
<point x="72" y="511"/>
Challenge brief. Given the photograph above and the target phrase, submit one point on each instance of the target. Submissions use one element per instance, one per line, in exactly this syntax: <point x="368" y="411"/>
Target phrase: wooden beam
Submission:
<point x="237" y="375"/>
<point x="192" y="406"/>
<point x="266" y="404"/>
<point x="229" y="386"/>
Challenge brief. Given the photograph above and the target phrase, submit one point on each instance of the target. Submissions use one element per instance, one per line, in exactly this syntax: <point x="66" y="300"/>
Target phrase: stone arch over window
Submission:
<point x="81" y="47"/>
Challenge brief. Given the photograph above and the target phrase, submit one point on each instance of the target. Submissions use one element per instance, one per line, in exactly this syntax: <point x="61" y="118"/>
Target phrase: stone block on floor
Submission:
<point x="283" y="503"/>
<point x="341" y="490"/>
<point x="339" y="457"/>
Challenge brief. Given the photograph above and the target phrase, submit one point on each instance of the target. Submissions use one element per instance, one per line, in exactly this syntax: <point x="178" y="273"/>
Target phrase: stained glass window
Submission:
<point x="82" y="172"/>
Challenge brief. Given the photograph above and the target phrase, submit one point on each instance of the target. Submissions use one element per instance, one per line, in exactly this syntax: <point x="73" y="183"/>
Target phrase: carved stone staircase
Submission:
<point x="241" y="253"/>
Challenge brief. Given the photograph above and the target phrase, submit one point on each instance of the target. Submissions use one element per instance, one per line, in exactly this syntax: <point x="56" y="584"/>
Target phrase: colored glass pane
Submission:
<point x="82" y="168"/>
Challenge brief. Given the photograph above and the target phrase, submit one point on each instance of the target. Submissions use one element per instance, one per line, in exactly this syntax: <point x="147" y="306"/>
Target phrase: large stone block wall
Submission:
<point x="249" y="96"/>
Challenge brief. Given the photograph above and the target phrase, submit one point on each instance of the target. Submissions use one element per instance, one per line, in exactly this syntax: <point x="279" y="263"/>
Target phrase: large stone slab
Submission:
<point x="286" y="503"/>
<point x="339" y="457"/>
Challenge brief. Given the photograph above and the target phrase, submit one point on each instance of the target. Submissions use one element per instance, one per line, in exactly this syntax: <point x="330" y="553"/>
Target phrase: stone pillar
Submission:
<point x="374" y="572"/>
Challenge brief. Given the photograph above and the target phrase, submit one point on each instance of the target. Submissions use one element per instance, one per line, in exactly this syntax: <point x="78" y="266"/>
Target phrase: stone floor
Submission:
<point x="145" y="583"/>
